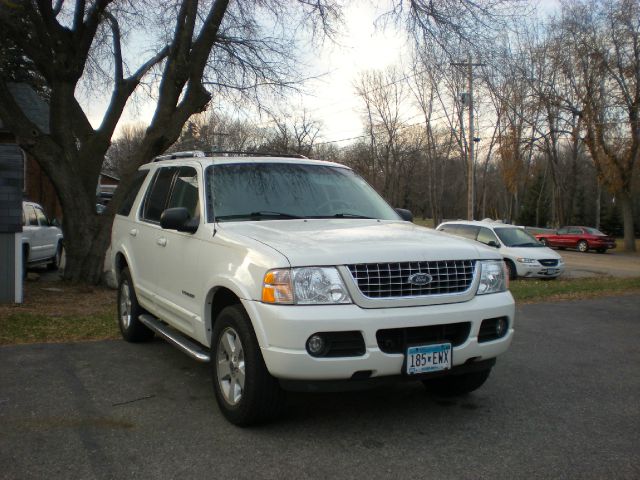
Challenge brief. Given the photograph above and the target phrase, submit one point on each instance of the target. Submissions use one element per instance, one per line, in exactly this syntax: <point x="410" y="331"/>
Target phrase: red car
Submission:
<point x="582" y="238"/>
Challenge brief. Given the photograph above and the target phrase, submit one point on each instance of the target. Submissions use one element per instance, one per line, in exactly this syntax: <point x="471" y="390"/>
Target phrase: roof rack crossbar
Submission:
<point x="224" y="153"/>
<point x="174" y="155"/>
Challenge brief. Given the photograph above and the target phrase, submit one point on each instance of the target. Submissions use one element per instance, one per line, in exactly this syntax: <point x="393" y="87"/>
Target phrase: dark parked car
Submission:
<point x="582" y="238"/>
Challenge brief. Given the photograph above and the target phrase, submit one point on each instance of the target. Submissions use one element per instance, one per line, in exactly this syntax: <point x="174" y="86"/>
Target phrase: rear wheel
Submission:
<point x="25" y="261"/>
<point x="455" y="385"/>
<point x="246" y="392"/>
<point x="132" y="329"/>
<point x="583" y="246"/>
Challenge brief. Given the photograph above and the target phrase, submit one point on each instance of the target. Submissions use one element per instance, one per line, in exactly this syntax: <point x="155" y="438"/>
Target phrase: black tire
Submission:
<point x="511" y="268"/>
<point x="132" y="329"/>
<point x="55" y="261"/>
<point x="455" y="385"/>
<point x="246" y="392"/>
<point x="601" y="250"/>
<point x="583" y="246"/>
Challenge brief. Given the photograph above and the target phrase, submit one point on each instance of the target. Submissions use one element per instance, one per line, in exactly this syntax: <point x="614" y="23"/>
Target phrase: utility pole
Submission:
<point x="471" y="142"/>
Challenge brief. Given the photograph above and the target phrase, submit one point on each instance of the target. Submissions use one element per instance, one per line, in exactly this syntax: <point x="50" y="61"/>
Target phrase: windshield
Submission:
<point x="516" y="237"/>
<point x="277" y="191"/>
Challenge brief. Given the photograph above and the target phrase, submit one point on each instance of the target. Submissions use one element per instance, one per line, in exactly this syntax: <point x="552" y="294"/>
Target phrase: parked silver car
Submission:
<point x="42" y="240"/>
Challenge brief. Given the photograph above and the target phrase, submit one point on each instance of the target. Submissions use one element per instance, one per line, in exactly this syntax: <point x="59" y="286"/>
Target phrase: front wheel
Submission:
<point x="511" y="269"/>
<point x="246" y="392"/>
<point x="455" y="385"/>
<point x="57" y="258"/>
<point x="132" y="329"/>
<point x="583" y="246"/>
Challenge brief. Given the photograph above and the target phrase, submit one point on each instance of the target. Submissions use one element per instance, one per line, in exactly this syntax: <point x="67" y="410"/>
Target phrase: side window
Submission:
<point x="32" y="220"/>
<point x="575" y="231"/>
<point x="563" y="231"/>
<point x="468" y="231"/>
<point x="156" y="199"/>
<point x="485" y="236"/>
<point x="42" y="218"/>
<point x="127" y="204"/>
<point x="185" y="191"/>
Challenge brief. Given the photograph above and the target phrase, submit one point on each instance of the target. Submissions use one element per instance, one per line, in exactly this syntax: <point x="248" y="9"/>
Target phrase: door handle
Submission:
<point x="133" y="232"/>
<point x="162" y="241"/>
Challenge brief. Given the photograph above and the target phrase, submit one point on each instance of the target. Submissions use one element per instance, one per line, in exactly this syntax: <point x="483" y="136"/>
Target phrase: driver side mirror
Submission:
<point x="493" y="243"/>
<point x="54" y="222"/>
<point x="178" y="219"/>
<point x="406" y="215"/>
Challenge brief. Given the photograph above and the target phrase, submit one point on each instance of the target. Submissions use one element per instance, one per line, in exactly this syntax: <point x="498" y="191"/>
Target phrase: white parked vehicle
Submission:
<point x="42" y="240"/>
<point x="524" y="255"/>
<point x="289" y="273"/>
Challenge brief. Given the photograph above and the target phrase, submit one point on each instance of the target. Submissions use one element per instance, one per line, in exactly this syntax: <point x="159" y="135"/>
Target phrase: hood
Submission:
<point x="346" y="241"/>
<point x="537" y="253"/>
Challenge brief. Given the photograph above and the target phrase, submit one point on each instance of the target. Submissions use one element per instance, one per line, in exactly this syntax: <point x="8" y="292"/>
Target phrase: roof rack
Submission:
<point x="223" y="153"/>
<point x="174" y="155"/>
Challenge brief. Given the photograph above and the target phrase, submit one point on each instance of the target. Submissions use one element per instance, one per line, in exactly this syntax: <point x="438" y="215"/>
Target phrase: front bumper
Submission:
<point x="283" y="330"/>
<point x="539" y="271"/>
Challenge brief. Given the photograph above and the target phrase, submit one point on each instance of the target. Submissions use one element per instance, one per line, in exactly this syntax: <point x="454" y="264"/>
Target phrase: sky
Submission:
<point x="331" y="98"/>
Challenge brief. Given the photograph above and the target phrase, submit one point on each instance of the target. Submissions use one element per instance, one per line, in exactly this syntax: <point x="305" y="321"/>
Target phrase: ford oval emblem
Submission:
<point x="420" y="279"/>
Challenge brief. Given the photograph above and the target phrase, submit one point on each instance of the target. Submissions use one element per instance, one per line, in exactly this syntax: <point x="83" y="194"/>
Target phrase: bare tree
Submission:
<point x="202" y="49"/>
<point x="603" y="65"/>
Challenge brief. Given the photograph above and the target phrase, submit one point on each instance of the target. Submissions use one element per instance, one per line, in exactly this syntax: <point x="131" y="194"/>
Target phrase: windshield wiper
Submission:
<point x="341" y="215"/>
<point x="257" y="215"/>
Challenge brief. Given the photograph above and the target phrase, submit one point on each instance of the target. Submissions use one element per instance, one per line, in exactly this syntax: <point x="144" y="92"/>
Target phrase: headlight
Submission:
<point x="305" y="286"/>
<point x="526" y="260"/>
<point x="493" y="277"/>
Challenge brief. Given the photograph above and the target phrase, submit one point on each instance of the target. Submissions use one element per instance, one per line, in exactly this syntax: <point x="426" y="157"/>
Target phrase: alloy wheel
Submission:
<point x="230" y="366"/>
<point x="125" y="305"/>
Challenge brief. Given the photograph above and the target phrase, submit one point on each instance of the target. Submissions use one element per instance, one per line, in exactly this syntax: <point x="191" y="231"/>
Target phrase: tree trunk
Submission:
<point x="86" y="239"/>
<point x="627" y="218"/>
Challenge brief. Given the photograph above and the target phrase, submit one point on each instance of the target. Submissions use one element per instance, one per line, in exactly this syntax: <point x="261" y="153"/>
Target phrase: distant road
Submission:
<point x="594" y="264"/>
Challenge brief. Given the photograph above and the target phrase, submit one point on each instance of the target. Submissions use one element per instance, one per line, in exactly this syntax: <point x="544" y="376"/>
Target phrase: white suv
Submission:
<point x="42" y="240"/>
<point x="289" y="273"/>
<point x="524" y="256"/>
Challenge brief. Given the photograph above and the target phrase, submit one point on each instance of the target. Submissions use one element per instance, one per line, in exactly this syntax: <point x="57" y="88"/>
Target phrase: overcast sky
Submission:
<point x="331" y="98"/>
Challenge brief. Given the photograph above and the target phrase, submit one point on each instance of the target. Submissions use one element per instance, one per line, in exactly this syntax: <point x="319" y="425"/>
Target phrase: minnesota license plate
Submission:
<point x="428" y="358"/>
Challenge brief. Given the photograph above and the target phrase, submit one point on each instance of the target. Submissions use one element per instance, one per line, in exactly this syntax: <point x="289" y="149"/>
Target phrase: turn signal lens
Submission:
<point x="276" y="287"/>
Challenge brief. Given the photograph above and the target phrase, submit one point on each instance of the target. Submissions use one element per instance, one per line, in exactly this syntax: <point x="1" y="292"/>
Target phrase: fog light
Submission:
<point x="501" y="327"/>
<point x="316" y="345"/>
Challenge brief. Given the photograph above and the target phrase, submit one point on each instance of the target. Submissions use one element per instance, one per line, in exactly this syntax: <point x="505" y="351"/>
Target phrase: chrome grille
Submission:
<point x="549" y="263"/>
<point x="388" y="280"/>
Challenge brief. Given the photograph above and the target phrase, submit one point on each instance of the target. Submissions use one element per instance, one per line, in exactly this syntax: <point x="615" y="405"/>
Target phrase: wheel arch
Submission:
<point x="222" y="296"/>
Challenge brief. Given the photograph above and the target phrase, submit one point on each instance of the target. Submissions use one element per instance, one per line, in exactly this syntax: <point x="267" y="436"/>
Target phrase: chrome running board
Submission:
<point x="175" y="338"/>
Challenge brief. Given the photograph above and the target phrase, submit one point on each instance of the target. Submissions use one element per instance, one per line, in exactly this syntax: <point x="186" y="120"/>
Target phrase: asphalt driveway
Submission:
<point x="562" y="403"/>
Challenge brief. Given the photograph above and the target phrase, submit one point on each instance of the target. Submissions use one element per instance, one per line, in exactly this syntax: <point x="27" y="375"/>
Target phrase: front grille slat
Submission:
<point x="548" y="263"/>
<point x="389" y="280"/>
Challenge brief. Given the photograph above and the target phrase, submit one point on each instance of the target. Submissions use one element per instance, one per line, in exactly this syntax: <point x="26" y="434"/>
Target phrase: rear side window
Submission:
<point x="127" y="204"/>
<point x="157" y="196"/>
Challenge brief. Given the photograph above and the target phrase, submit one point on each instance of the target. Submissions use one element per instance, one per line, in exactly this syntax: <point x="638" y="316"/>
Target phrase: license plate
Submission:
<point x="428" y="358"/>
<point x="552" y="271"/>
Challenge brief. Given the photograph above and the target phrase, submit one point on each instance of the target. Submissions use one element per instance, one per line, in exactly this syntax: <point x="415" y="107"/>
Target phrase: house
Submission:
<point x="37" y="187"/>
